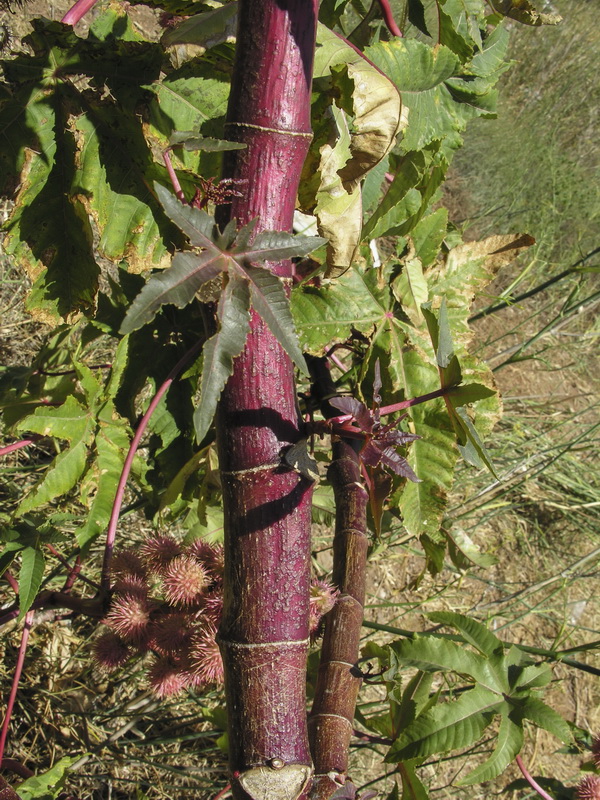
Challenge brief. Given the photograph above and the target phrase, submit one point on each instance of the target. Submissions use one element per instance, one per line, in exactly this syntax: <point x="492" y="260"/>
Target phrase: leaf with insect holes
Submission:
<point x="220" y="350"/>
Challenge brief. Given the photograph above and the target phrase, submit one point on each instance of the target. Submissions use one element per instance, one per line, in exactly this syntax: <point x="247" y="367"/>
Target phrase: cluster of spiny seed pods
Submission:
<point x="166" y="605"/>
<point x="589" y="787"/>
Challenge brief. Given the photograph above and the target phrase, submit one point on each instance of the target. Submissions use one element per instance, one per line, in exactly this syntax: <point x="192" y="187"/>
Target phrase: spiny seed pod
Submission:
<point x="596" y="751"/>
<point x="322" y="599"/>
<point x="172" y="633"/>
<point x="166" y="677"/>
<point x="589" y="788"/>
<point x="184" y="581"/>
<point x="134" y="585"/>
<point x="127" y="563"/>
<point x="212" y="607"/>
<point x="129" y="616"/>
<point x="211" y="556"/>
<point x="110" y="651"/>
<point x="159" y="551"/>
<point x="205" y="658"/>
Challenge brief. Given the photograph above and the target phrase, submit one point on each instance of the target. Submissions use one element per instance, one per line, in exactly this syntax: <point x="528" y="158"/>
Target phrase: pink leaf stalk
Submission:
<point x="15" y="682"/>
<point x="264" y="633"/>
<point x="78" y="11"/>
<point x="141" y="429"/>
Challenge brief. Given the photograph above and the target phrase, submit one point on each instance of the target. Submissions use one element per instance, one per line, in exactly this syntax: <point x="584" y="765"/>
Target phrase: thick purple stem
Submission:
<point x="264" y="634"/>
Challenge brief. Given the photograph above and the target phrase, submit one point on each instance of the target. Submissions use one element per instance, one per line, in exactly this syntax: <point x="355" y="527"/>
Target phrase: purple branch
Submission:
<point x="531" y="781"/>
<point x="389" y="18"/>
<point x="118" y="501"/>
<point x="77" y="12"/>
<point x="12" y="582"/>
<point x="15" y="681"/>
<point x="414" y="401"/>
<point x="173" y="177"/>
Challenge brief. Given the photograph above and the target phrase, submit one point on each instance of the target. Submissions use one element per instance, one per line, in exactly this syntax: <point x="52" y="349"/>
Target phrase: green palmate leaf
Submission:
<point x="428" y="235"/>
<point x="126" y="213"/>
<point x="30" y="577"/>
<point x="470" y="445"/>
<point x="432" y="458"/>
<point x="508" y="745"/>
<point x="545" y="717"/>
<point x="466" y="269"/>
<point x="420" y="72"/>
<point x="473" y="632"/>
<point x="469" y="393"/>
<point x="220" y="350"/>
<point x="192" y="98"/>
<point x="415" y="698"/>
<point x="271" y="304"/>
<point x="401" y="201"/>
<point x="72" y="422"/>
<point x="433" y="654"/>
<point x="448" y="726"/>
<point x="531" y="676"/>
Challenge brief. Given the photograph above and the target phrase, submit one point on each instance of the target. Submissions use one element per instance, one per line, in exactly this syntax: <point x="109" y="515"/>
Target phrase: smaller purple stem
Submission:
<point x="414" y="401"/>
<point x="388" y="16"/>
<point x="11" y="581"/>
<point x="77" y="12"/>
<point x="531" y="781"/>
<point x="174" y="179"/>
<point x="16" y="679"/>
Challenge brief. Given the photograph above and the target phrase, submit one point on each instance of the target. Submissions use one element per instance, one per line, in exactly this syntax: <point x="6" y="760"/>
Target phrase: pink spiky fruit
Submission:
<point x="159" y="551"/>
<point x="206" y="664"/>
<point x="211" y="556"/>
<point x="166" y="678"/>
<point x="127" y="563"/>
<point x="129" y="617"/>
<point x="184" y="581"/>
<point x="322" y="599"/>
<point x="110" y="651"/>
<point x="589" y="788"/>
<point x="596" y="751"/>
<point x="172" y="633"/>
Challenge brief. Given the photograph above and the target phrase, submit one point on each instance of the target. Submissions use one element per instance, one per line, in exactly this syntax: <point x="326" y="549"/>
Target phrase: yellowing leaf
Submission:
<point x="376" y="121"/>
